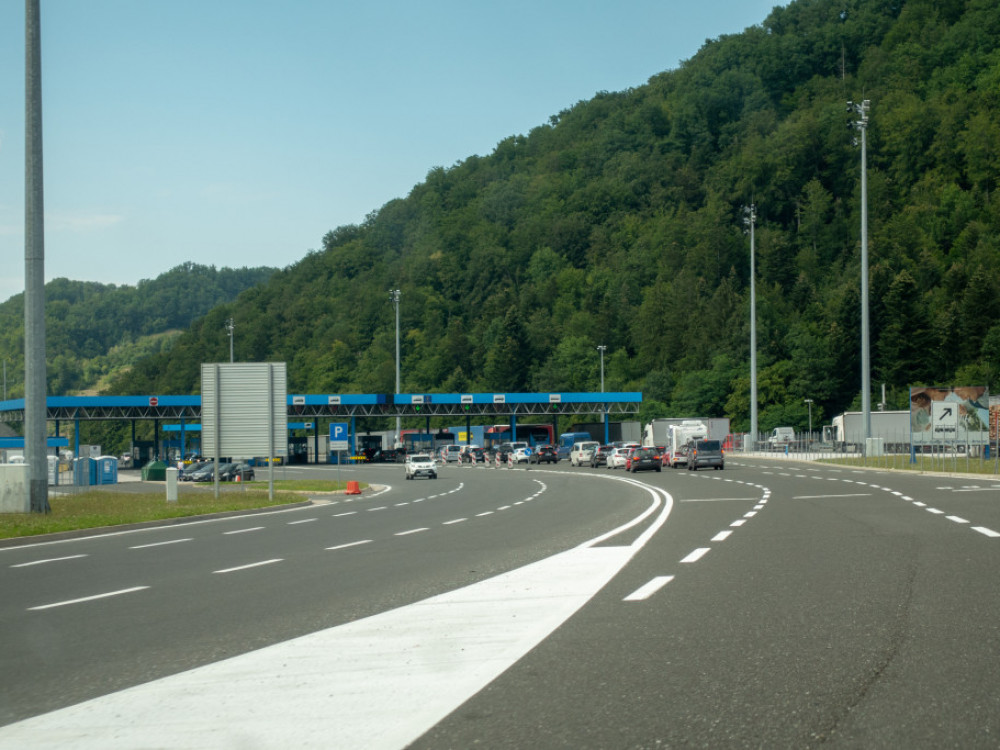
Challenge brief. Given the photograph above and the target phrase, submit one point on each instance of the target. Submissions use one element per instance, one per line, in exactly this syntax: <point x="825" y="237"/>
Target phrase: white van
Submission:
<point x="582" y="452"/>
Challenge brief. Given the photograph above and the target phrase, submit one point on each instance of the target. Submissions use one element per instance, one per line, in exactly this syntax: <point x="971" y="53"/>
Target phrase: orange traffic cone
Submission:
<point x="352" y="488"/>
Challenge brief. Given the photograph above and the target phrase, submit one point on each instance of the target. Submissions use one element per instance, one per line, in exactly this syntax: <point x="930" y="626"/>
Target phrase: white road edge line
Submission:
<point x="87" y="598"/>
<point x="647" y="590"/>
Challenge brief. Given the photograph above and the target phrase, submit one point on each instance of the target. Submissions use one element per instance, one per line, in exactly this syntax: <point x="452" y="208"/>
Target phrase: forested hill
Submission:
<point x="620" y="222"/>
<point x="95" y="330"/>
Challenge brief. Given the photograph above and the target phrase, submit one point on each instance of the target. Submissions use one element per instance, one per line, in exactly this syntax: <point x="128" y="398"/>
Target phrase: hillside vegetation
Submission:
<point x="619" y="222"/>
<point x="96" y="331"/>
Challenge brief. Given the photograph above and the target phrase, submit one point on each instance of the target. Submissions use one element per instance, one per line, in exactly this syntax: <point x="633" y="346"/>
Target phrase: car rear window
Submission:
<point x="708" y="445"/>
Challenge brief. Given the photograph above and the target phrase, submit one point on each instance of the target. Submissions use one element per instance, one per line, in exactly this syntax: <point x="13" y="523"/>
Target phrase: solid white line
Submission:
<point x="351" y="544"/>
<point x="696" y="555"/>
<point x="88" y="598"/>
<point x="251" y="565"/>
<point x="647" y="590"/>
<point x="162" y="544"/>
<point x="411" y="531"/>
<point x="721" y="536"/>
<point x="42" y="562"/>
<point x="242" y="531"/>
<point x="986" y="532"/>
<point x="956" y="519"/>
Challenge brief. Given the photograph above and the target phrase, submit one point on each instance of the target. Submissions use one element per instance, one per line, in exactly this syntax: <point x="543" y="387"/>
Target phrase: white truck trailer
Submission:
<point x="678" y="436"/>
<point x="657" y="432"/>
<point x="847" y="431"/>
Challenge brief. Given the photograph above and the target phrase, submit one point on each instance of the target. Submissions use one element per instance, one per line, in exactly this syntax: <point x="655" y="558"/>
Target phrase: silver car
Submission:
<point x="420" y="465"/>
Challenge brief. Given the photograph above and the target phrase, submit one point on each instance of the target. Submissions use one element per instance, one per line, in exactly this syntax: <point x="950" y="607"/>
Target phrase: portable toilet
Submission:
<point x="84" y="471"/>
<point x="107" y="470"/>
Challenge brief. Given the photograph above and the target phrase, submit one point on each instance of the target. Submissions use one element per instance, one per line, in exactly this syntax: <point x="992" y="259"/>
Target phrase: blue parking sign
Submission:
<point x="338" y="436"/>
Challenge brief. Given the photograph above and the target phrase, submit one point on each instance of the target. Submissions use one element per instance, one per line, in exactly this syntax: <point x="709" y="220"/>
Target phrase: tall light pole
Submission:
<point x="604" y="407"/>
<point x="750" y="220"/>
<point x="861" y="124"/>
<point x="394" y="296"/>
<point x="809" y="401"/>
<point x="230" y="327"/>
<point x="34" y="271"/>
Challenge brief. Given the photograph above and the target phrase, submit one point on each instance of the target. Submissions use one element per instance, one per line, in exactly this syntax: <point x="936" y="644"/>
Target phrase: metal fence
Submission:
<point x="891" y="451"/>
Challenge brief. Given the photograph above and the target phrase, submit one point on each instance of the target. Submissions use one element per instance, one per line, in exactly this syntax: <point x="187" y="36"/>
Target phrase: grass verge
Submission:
<point x="950" y="464"/>
<point x="98" y="508"/>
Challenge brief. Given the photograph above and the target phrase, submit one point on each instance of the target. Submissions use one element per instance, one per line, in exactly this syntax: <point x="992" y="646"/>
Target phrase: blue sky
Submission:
<point x="237" y="133"/>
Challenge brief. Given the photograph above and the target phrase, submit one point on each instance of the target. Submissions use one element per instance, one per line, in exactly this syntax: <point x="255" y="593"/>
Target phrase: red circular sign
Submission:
<point x="154" y="401"/>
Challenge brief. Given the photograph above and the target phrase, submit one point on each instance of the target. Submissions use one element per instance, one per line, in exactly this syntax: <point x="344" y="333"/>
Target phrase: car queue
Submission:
<point x="628" y="456"/>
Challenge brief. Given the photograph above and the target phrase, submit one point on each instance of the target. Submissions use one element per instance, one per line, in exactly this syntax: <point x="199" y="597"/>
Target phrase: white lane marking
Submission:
<point x="50" y="560"/>
<point x="242" y="531"/>
<point x="250" y="565"/>
<point x="717" y="499"/>
<point x="411" y="531"/>
<point x="457" y="520"/>
<point x="935" y="511"/>
<point x="351" y="544"/>
<point x="823" y="497"/>
<point x="985" y="531"/>
<point x="750" y="514"/>
<point x="162" y="544"/>
<point x="304" y="520"/>
<point x="956" y="519"/>
<point x="88" y="598"/>
<point x="721" y="536"/>
<point x="647" y="590"/>
<point x="381" y="507"/>
<point x="740" y="522"/>
<point x="487" y="513"/>
<point x="696" y="555"/>
<point x="348" y="513"/>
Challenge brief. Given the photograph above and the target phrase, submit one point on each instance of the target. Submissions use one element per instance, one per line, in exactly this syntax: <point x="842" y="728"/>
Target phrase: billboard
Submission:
<point x="950" y="415"/>
<point x="244" y="410"/>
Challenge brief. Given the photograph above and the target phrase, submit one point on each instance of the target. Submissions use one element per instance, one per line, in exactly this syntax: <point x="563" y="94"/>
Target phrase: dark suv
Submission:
<point x="644" y="459"/>
<point x="705" y="453"/>
<point x="544" y="454"/>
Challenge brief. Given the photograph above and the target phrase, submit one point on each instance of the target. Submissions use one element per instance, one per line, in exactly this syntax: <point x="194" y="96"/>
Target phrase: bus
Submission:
<point x="532" y="434"/>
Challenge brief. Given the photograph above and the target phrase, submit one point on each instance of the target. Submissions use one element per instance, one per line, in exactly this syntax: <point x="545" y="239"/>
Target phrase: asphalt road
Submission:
<point x="781" y="604"/>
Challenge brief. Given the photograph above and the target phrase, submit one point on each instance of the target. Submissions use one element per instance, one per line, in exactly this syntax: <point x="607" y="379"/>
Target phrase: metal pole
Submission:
<point x="394" y="296"/>
<point x="230" y="327"/>
<point x="604" y="407"/>
<point x="34" y="271"/>
<point x="751" y="219"/>
<point x="866" y="388"/>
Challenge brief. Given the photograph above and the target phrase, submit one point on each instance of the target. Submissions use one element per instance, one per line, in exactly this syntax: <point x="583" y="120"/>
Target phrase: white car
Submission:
<point x="581" y="453"/>
<point x="520" y="452"/>
<point x="420" y="465"/>
<point x="616" y="459"/>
